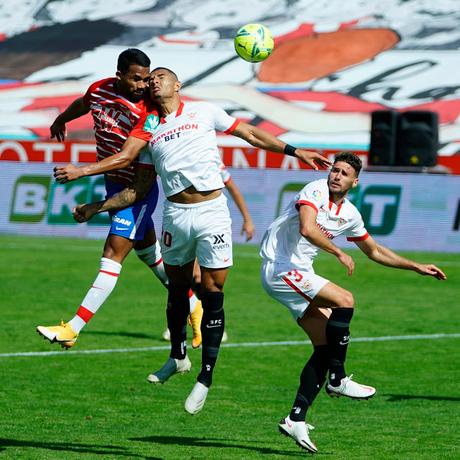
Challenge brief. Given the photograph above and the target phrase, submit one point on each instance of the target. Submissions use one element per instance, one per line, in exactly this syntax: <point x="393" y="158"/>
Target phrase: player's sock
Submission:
<point x="151" y="256"/>
<point x="177" y="312"/>
<point x="338" y="336"/>
<point x="311" y="381"/>
<point x="212" y="329"/>
<point x="102" y="287"/>
<point x="193" y="299"/>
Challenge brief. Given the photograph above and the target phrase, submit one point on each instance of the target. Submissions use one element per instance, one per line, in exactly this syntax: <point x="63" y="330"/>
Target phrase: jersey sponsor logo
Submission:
<point x="219" y="242"/>
<point x="121" y="221"/>
<point x="151" y="123"/>
<point x="325" y="232"/>
<point x="218" y="239"/>
<point x="175" y="133"/>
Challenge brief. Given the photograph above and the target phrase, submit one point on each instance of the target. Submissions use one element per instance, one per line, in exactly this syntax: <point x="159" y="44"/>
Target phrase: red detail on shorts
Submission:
<point x="190" y="294"/>
<point x="109" y="273"/>
<point x="358" y="238"/>
<point x="233" y="127"/>
<point x="158" y="262"/>
<point x="296" y="289"/>
<point x="306" y="203"/>
<point x="84" y="314"/>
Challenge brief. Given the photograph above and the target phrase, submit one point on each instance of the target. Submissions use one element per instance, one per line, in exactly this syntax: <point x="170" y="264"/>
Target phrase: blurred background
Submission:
<point x="377" y="78"/>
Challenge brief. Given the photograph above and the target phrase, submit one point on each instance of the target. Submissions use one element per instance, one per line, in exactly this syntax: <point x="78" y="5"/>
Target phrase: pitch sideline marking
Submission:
<point x="388" y="338"/>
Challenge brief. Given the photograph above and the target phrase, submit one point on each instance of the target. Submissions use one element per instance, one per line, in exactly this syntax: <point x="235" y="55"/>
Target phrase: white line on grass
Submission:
<point x="388" y="338"/>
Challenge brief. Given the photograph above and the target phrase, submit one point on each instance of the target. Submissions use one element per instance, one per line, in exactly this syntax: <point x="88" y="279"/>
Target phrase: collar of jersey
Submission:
<point x="178" y="112"/>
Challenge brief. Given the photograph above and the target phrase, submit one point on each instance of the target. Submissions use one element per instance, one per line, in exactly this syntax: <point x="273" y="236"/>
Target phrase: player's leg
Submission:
<point x="148" y="251"/>
<point x="212" y="329"/>
<point x="295" y="289"/>
<point x="127" y="225"/>
<point x="338" y="336"/>
<point x="177" y="311"/>
<point x="116" y="248"/>
<point x="178" y="248"/>
<point x="212" y="225"/>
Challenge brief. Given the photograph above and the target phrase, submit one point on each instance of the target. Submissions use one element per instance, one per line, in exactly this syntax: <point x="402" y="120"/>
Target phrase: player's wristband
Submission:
<point x="289" y="150"/>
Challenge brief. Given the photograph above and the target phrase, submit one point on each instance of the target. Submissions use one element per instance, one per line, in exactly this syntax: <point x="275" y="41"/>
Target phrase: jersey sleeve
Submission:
<point x="144" y="128"/>
<point x="222" y="120"/>
<point x="87" y="95"/>
<point x="357" y="232"/>
<point x="311" y="195"/>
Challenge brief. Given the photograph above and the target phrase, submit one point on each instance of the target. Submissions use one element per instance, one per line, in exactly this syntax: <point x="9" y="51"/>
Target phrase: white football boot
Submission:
<point x="196" y="399"/>
<point x="350" y="389"/>
<point x="298" y="431"/>
<point x="171" y="367"/>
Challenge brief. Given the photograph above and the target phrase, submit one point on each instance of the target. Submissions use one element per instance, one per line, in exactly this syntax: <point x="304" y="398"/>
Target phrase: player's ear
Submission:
<point x="355" y="182"/>
<point x="118" y="75"/>
<point x="177" y="86"/>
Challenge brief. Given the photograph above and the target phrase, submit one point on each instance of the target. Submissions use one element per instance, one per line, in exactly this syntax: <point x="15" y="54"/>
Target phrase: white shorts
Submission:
<point x="295" y="288"/>
<point x="202" y="230"/>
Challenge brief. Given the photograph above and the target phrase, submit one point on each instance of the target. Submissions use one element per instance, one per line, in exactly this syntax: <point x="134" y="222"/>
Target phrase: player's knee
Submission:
<point x="347" y="300"/>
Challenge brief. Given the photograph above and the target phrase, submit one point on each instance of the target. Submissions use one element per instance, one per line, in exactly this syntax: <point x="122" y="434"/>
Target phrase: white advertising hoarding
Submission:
<point x="402" y="211"/>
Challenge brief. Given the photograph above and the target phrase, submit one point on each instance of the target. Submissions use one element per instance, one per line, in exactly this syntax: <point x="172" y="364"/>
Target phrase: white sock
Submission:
<point x="102" y="287"/>
<point x="151" y="256"/>
<point x="193" y="299"/>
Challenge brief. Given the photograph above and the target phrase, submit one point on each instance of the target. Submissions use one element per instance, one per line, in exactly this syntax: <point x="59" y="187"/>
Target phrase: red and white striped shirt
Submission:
<point x="114" y="117"/>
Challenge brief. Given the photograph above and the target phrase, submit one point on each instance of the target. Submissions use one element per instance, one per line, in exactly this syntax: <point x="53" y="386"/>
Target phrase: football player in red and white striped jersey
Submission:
<point x="116" y="105"/>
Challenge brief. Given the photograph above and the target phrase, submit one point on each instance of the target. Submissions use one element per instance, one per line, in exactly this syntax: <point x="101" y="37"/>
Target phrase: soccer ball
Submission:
<point x="254" y="42"/>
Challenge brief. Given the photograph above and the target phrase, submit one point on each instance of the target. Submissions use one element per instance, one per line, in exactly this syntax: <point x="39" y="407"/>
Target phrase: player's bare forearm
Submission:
<point x="264" y="140"/>
<point x="75" y="110"/>
<point x="122" y="159"/>
<point x="239" y="201"/>
<point x="385" y="256"/>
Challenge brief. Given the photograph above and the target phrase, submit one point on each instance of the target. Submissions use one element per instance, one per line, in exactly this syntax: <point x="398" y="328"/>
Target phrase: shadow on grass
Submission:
<point x="72" y="447"/>
<point x="214" y="442"/>
<point x="397" y="398"/>
<point x="132" y="335"/>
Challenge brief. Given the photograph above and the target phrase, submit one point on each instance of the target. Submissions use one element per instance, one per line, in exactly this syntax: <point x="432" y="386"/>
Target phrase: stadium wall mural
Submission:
<point x="334" y="63"/>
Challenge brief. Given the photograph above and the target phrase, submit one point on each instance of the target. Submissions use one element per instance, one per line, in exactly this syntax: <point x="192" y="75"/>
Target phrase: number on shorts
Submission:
<point x="296" y="275"/>
<point x="167" y="239"/>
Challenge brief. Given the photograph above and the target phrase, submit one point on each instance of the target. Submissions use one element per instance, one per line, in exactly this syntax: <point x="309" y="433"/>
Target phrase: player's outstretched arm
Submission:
<point x="248" y="225"/>
<point x="264" y="140"/>
<point x="309" y="230"/>
<point x="387" y="257"/>
<point x="143" y="180"/>
<point x="75" y="110"/>
<point x="122" y="159"/>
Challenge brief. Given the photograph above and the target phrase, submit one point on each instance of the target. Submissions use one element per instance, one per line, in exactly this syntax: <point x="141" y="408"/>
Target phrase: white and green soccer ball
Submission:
<point x="254" y="42"/>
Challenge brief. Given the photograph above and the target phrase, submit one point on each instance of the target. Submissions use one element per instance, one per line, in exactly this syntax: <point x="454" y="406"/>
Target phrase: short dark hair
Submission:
<point x="132" y="56"/>
<point x="352" y="159"/>
<point x="167" y="70"/>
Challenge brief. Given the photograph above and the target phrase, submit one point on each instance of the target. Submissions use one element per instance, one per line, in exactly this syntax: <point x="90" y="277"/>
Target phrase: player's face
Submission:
<point x="342" y="178"/>
<point x="134" y="83"/>
<point x="163" y="84"/>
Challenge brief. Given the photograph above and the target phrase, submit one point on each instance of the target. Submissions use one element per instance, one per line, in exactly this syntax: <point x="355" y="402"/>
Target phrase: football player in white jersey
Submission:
<point x="182" y="148"/>
<point x="317" y="214"/>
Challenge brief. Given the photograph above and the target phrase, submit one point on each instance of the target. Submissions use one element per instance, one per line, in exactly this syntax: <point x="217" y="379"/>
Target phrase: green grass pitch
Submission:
<point x="74" y="405"/>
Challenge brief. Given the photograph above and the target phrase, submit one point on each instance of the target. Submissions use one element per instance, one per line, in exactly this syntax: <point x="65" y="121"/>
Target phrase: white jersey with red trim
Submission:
<point x="283" y="242"/>
<point x="114" y="117"/>
<point x="183" y="146"/>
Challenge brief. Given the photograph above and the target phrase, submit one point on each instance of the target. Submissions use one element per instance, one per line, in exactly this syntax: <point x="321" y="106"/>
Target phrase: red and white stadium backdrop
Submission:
<point x="402" y="211"/>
